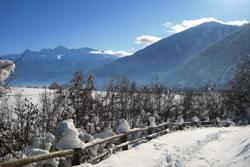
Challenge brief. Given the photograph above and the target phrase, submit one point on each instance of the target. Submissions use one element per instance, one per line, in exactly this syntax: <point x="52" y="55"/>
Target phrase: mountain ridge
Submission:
<point x="216" y="64"/>
<point x="160" y="57"/>
<point x="54" y="65"/>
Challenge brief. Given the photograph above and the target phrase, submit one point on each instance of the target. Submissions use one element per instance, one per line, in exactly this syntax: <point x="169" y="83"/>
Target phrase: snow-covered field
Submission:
<point x="32" y="94"/>
<point x="219" y="147"/>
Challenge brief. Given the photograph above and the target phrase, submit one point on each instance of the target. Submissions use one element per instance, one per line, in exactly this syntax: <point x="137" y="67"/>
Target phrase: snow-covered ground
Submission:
<point x="32" y="94"/>
<point x="220" y="147"/>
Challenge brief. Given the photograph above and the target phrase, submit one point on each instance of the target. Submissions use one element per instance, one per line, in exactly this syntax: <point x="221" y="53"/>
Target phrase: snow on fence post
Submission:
<point x="196" y="121"/>
<point x="152" y="121"/>
<point x="151" y="128"/>
<point x="70" y="140"/>
<point x="217" y="121"/>
<point x="123" y="127"/>
<point x="180" y="122"/>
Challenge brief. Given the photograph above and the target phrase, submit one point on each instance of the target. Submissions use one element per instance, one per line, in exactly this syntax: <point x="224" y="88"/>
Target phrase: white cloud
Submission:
<point x="174" y="28"/>
<point x="146" y="39"/>
<point x="237" y="22"/>
<point x="112" y="52"/>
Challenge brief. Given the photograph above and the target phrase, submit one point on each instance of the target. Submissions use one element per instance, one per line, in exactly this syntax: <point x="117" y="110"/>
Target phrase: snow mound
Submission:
<point x="195" y="119"/>
<point x="151" y="121"/>
<point x="64" y="125"/>
<point x="123" y="127"/>
<point x="70" y="140"/>
<point x="179" y="120"/>
<point x="70" y="136"/>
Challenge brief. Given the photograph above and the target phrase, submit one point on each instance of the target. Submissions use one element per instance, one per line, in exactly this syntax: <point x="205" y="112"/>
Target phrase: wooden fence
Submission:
<point x="151" y="132"/>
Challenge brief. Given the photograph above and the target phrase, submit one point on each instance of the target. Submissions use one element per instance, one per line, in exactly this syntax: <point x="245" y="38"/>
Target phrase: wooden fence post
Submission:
<point x="76" y="156"/>
<point x="66" y="162"/>
<point x="197" y="124"/>
<point x="150" y="132"/>
<point x="181" y="127"/>
<point x="124" y="139"/>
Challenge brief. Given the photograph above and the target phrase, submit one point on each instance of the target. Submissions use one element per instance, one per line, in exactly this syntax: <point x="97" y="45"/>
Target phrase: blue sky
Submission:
<point x="114" y="25"/>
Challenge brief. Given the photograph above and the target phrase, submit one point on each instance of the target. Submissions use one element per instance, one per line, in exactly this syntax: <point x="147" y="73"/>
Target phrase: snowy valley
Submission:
<point x="125" y="83"/>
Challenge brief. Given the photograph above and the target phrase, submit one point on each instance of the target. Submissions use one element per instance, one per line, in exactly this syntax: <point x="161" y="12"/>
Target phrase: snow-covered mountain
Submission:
<point x="58" y="64"/>
<point x="192" y="58"/>
<point x="216" y="64"/>
<point x="166" y="54"/>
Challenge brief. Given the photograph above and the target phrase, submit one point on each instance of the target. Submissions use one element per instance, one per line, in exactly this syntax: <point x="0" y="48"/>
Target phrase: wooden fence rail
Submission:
<point x="153" y="132"/>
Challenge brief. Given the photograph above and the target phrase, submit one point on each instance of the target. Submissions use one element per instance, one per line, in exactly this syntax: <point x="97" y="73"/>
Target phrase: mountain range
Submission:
<point x="54" y="65"/>
<point x="163" y="56"/>
<point x="207" y="53"/>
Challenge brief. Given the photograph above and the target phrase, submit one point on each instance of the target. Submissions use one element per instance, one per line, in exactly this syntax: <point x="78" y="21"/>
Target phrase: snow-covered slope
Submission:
<point x="227" y="147"/>
<point x="163" y="56"/>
